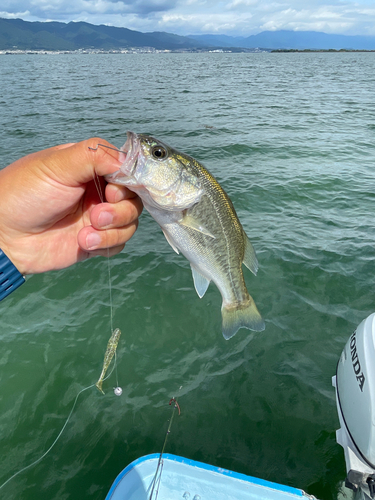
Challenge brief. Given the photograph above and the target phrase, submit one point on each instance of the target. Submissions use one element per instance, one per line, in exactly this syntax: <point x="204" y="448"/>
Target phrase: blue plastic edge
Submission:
<point x="201" y="465"/>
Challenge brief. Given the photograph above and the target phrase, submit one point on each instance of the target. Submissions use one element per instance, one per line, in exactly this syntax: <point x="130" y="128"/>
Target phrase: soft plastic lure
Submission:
<point x="109" y="353"/>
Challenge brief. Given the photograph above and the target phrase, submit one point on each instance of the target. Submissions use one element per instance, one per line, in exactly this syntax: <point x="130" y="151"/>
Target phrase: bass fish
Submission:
<point x="109" y="353"/>
<point x="198" y="219"/>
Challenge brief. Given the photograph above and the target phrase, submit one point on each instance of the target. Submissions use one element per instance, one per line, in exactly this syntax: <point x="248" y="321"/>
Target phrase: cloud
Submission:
<point x="147" y="7"/>
<point x="14" y="14"/>
<point x="327" y="18"/>
<point x="241" y="4"/>
<point x="69" y="9"/>
<point x="232" y="17"/>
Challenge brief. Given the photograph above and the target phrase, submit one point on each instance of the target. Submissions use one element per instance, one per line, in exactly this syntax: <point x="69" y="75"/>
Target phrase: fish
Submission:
<point x="109" y="353"/>
<point x="198" y="219"/>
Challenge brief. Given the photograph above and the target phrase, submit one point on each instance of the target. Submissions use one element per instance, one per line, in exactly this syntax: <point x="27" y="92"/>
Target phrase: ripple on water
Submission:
<point x="290" y="137"/>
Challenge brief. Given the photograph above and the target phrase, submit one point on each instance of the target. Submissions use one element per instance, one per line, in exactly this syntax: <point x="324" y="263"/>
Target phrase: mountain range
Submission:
<point x="24" y="35"/>
<point x="298" y="40"/>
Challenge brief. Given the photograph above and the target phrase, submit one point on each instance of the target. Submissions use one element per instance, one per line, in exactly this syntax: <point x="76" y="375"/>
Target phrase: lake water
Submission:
<point x="291" y="139"/>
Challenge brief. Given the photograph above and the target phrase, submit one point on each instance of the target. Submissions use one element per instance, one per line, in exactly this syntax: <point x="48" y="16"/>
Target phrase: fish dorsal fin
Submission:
<point x="200" y="282"/>
<point x="190" y="222"/>
<point x="250" y="260"/>
<point x="169" y="239"/>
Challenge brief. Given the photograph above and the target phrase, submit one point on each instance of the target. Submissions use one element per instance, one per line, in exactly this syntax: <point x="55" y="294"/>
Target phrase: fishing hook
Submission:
<point x="105" y="146"/>
<point x="176" y="405"/>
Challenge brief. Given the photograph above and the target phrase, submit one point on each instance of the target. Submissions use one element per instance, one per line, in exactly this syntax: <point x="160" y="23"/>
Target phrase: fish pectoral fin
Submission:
<point x="250" y="260"/>
<point x="200" y="282"/>
<point x="191" y="223"/>
<point x="169" y="239"/>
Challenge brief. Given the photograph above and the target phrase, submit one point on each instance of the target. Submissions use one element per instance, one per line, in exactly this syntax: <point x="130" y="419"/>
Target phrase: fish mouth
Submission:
<point x="130" y="150"/>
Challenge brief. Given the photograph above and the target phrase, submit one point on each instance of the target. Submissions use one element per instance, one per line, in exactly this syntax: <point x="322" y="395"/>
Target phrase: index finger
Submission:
<point x="78" y="163"/>
<point x="63" y="146"/>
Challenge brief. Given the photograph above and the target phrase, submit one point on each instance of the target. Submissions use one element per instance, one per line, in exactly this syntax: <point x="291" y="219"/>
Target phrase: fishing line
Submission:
<point x="117" y="390"/>
<point x="157" y="477"/>
<point x="117" y="386"/>
<point x="58" y="436"/>
<point x="101" y="196"/>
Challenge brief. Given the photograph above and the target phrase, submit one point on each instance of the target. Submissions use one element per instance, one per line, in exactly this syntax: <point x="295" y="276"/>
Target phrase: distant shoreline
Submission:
<point x="320" y="50"/>
<point x="151" y="50"/>
<point x="140" y="50"/>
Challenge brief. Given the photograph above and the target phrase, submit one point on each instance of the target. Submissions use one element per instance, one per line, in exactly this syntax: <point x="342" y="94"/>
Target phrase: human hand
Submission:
<point x="51" y="215"/>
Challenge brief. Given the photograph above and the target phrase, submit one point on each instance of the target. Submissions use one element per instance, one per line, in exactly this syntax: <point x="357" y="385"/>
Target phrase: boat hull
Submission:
<point x="187" y="479"/>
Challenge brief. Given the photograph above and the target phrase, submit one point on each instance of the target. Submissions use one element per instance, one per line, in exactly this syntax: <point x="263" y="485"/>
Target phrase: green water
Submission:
<point x="291" y="139"/>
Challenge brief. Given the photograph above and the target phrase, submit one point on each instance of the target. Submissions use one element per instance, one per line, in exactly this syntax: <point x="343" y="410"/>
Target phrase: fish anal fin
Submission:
<point x="200" y="282"/>
<point x="250" y="260"/>
<point x="190" y="222"/>
<point x="243" y="315"/>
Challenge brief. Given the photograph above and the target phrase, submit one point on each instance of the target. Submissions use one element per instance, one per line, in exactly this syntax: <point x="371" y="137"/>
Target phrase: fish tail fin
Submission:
<point x="99" y="385"/>
<point x="241" y="315"/>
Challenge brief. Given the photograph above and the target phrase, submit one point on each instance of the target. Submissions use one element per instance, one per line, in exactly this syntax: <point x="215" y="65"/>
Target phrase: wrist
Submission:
<point x="10" y="277"/>
<point x="12" y="247"/>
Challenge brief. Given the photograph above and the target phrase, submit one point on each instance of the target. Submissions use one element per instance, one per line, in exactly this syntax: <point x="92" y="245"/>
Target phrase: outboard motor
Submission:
<point x="355" y="398"/>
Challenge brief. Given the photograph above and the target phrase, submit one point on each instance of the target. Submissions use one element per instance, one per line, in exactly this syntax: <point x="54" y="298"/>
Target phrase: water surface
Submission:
<point x="291" y="139"/>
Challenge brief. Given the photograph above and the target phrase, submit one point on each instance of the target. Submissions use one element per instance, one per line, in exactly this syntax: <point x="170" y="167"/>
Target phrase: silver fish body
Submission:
<point x="198" y="219"/>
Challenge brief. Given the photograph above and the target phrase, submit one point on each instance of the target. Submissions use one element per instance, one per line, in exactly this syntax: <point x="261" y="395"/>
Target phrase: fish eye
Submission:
<point x="159" y="152"/>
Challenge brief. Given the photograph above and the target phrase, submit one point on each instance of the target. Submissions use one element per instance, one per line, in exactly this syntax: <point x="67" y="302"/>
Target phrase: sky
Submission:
<point x="184" y="17"/>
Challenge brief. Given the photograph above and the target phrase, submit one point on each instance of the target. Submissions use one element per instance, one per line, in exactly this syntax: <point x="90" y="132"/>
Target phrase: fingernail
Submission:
<point x="105" y="219"/>
<point x="93" y="240"/>
<point x="120" y="195"/>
